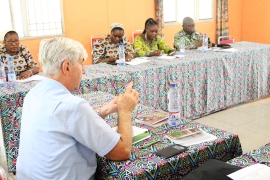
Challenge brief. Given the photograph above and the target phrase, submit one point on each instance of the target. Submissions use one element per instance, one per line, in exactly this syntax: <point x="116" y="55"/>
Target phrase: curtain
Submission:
<point x="222" y="18"/>
<point x="159" y="16"/>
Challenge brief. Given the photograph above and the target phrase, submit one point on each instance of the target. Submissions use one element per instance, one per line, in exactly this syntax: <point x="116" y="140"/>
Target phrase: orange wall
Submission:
<point x="256" y="21"/>
<point x="82" y="18"/>
<point x="204" y="27"/>
<point x="235" y="19"/>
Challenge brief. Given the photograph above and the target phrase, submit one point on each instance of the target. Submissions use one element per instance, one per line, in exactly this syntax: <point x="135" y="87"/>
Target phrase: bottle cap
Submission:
<point x="9" y="58"/>
<point x="173" y="84"/>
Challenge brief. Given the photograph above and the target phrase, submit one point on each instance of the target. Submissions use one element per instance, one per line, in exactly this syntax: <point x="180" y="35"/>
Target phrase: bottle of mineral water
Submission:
<point x="3" y="82"/>
<point x="121" y="52"/>
<point x="173" y="106"/>
<point x="11" y="72"/>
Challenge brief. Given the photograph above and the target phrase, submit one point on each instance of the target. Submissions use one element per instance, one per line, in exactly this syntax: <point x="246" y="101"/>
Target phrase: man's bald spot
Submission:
<point x="188" y="20"/>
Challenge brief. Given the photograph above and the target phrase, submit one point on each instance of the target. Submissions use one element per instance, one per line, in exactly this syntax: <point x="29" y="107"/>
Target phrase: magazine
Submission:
<point x="157" y="118"/>
<point x="177" y="134"/>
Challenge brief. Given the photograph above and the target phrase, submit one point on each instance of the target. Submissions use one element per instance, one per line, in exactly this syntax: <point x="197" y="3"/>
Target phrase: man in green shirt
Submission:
<point x="193" y="38"/>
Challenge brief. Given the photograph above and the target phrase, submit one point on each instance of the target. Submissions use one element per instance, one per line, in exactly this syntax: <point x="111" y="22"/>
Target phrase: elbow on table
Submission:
<point x="119" y="155"/>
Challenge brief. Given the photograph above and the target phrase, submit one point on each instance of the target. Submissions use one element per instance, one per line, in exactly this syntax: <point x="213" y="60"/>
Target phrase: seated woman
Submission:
<point x="149" y="43"/>
<point x="106" y="49"/>
<point x="24" y="63"/>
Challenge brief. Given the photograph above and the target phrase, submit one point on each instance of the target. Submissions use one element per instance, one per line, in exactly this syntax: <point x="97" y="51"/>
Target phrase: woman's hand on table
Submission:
<point x="155" y="53"/>
<point x="129" y="57"/>
<point x="25" y="74"/>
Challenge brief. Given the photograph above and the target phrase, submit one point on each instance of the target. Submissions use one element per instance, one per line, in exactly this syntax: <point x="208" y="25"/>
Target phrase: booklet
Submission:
<point x="155" y="119"/>
<point x="177" y="133"/>
<point x="139" y="134"/>
<point x="193" y="139"/>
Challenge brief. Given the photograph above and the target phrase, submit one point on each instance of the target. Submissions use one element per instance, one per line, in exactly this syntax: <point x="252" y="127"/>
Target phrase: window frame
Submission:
<point x="196" y="14"/>
<point x="26" y="24"/>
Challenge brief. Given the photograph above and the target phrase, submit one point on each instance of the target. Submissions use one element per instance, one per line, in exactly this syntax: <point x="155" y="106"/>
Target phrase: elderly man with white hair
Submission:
<point x="61" y="133"/>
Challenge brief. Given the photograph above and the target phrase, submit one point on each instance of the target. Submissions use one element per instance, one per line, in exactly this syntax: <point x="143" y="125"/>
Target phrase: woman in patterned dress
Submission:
<point x="149" y="43"/>
<point x="106" y="50"/>
<point x="25" y="65"/>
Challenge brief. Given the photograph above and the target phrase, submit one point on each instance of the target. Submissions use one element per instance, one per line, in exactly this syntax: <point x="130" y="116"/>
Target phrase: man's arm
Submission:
<point x="125" y="104"/>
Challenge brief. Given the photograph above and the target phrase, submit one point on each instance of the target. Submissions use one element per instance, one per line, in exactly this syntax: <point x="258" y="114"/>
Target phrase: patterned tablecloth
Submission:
<point x="143" y="162"/>
<point x="260" y="155"/>
<point x="207" y="82"/>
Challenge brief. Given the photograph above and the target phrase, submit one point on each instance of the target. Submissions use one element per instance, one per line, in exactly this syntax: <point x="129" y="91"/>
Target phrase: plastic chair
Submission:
<point x="94" y="38"/>
<point x="227" y="39"/>
<point x="135" y="34"/>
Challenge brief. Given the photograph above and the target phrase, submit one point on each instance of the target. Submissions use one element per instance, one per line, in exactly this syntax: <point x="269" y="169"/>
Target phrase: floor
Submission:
<point x="250" y="120"/>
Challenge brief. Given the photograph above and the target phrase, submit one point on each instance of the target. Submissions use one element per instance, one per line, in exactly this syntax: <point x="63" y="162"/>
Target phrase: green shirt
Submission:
<point x="190" y="40"/>
<point x="142" y="47"/>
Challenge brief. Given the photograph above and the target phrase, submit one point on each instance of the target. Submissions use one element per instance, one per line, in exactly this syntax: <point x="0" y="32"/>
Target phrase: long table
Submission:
<point x="260" y="155"/>
<point x="143" y="162"/>
<point x="207" y="82"/>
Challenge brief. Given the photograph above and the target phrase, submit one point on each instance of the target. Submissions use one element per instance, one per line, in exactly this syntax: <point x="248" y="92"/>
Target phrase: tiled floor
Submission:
<point x="251" y="121"/>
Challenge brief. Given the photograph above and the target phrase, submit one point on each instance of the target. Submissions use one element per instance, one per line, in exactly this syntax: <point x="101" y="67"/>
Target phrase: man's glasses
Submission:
<point x="11" y="42"/>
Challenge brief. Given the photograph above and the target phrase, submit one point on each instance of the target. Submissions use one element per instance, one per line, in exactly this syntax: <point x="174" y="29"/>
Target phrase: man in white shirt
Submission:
<point x="60" y="133"/>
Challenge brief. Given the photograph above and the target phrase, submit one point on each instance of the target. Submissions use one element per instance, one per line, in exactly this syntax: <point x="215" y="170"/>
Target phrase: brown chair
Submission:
<point x="135" y="34"/>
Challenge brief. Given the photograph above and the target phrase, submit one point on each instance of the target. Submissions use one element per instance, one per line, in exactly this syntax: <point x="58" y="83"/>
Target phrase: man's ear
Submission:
<point x="66" y="65"/>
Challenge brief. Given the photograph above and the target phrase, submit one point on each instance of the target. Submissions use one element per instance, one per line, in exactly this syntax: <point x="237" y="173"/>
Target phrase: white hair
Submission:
<point x="53" y="51"/>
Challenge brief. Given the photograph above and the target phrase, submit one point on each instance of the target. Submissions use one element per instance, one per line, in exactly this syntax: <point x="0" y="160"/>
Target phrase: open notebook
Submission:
<point x="139" y="134"/>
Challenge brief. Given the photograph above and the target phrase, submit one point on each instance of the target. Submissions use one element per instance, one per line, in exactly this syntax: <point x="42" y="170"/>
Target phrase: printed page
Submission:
<point x="32" y="78"/>
<point x="137" y="61"/>
<point x="254" y="172"/>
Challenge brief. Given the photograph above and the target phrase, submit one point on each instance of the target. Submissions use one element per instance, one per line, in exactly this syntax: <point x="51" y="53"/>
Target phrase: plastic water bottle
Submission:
<point x="121" y="52"/>
<point x="11" y="72"/>
<point x="173" y="106"/>
<point x="182" y="44"/>
<point x="205" y="43"/>
<point x="3" y="82"/>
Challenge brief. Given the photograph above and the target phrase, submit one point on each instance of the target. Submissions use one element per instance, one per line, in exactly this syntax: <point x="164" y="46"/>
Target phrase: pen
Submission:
<point x="150" y="143"/>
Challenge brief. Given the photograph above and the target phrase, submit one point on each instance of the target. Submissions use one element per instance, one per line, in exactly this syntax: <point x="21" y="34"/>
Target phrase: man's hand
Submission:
<point x="127" y="102"/>
<point x="108" y="109"/>
<point x="199" y="44"/>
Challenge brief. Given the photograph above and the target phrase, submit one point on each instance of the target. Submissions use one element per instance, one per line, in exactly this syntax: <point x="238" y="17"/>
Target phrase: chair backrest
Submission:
<point x="94" y="38"/>
<point x="227" y="39"/>
<point x="135" y="34"/>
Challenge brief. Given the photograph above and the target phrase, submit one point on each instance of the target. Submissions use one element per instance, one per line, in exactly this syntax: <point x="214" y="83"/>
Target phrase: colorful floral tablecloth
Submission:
<point x="260" y="155"/>
<point x="143" y="163"/>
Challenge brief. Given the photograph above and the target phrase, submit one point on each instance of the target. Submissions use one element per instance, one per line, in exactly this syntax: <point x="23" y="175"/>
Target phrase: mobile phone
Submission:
<point x="112" y="63"/>
<point x="171" y="151"/>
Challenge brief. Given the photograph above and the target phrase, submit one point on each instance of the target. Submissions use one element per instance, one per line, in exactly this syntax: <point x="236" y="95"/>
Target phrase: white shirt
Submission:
<point x="60" y="134"/>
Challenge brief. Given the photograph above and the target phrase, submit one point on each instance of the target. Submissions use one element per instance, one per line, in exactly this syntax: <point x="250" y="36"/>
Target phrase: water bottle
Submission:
<point x="173" y="106"/>
<point x="3" y="81"/>
<point x="11" y="72"/>
<point x="121" y="52"/>
<point x="205" y="43"/>
<point x="182" y="44"/>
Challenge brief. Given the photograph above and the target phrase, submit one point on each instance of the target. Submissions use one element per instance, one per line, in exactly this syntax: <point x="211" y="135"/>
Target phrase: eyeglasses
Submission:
<point x="115" y="36"/>
<point x="11" y="42"/>
<point x="190" y="26"/>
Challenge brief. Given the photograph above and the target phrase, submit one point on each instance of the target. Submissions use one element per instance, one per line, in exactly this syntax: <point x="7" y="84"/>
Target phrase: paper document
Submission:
<point x="137" y="61"/>
<point x="194" y="139"/>
<point x="254" y="172"/>
<point x="31" y="78"/>
<point x="138" y="134"/>
<point x="165" y="56"/>
<point x="226" y="50"/>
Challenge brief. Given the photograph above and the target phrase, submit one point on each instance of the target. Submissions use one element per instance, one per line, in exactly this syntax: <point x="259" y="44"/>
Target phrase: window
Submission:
<point x="176" y="10"/>
<point x="32" y="18"/>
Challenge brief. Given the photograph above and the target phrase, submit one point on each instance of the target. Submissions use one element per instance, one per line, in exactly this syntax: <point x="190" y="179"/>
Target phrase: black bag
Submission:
<point x="212" y="170"/>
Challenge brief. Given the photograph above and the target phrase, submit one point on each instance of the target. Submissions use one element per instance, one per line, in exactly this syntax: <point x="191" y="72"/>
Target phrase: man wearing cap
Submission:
<point x="106" y="50"/>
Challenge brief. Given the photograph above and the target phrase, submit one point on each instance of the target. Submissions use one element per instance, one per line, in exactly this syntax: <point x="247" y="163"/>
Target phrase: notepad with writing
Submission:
<point x="139" y="134"/>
